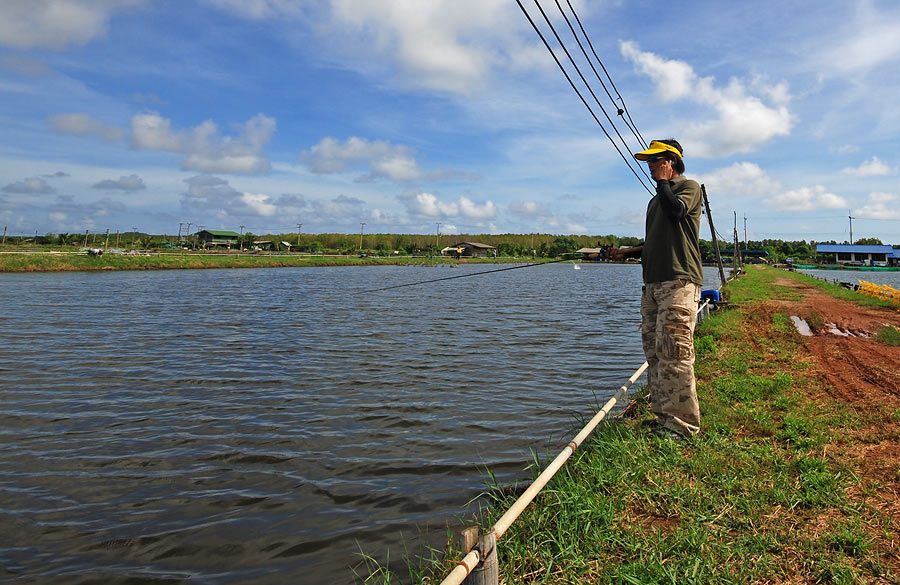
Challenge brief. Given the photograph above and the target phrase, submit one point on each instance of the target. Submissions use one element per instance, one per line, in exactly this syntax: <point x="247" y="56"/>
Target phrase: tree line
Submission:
<point x="507" y="245"/>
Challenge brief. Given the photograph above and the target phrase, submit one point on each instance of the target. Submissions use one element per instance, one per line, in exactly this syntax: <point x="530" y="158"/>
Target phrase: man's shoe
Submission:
<point x="667" y="433"/>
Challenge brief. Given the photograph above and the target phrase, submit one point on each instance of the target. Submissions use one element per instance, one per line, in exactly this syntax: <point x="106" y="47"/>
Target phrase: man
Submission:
<point x="673" y="275"/>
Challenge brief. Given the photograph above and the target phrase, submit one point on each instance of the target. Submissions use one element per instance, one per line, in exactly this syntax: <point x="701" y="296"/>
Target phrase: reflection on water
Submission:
<point x="264" y="426"/>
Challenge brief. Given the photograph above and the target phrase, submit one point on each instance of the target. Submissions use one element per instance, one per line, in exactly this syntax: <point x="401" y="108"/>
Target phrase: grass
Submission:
<point x="753" y="499"/>
<point x="47" y="262"/>
<point x="888" y="335"/>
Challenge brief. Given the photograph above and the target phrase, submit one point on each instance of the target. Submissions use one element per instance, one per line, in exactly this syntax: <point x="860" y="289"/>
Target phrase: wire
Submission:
<point x="466" y="275"/>
<point x="624" y="108"/>
<point x="597" y="75"/>
<point x="572" y="84"/>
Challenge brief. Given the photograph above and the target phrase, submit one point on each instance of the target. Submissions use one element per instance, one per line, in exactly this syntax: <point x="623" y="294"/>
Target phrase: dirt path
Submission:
<point x="865" y="374"/>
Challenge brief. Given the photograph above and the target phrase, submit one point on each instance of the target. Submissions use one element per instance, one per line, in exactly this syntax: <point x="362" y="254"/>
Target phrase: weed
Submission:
<point x="888" y="335"/>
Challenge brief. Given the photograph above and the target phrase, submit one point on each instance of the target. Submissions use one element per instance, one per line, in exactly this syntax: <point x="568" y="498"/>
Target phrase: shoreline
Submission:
<point x="797" y="466"/>
<point x="22" y="262"/>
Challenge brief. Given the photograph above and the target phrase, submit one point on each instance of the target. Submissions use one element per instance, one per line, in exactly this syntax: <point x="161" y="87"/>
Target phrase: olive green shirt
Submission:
<point x="672" y="247"/>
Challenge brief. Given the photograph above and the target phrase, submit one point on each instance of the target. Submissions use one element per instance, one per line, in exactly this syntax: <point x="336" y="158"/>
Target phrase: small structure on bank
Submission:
<point x="212" y="238"/>
<point x="859" y="255"/>
<point x="469" y="250"/>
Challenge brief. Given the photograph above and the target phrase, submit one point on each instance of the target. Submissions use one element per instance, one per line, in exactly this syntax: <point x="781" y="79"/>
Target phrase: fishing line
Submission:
<point x="468" y="275"/>
<point x="581" y="97"/>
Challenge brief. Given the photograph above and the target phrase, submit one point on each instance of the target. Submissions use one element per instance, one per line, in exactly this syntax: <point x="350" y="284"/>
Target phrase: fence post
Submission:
<point x="487" y="572"/>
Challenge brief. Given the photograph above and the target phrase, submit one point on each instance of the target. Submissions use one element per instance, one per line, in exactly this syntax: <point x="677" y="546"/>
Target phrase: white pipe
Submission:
<point x="462" y="570"/>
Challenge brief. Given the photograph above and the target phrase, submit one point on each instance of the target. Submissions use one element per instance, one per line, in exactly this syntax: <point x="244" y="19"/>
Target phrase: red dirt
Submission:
<point x="865" y="374"/>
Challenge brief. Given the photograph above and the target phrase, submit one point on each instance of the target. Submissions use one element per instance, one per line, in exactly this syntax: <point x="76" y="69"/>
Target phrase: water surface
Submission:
<point x="265" y="426"/>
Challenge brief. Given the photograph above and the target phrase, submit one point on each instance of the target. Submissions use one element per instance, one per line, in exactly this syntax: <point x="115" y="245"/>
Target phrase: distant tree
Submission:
<point x="63" y="238"/>
<point x="869" y="242"/>
<point x="562" y="245"/>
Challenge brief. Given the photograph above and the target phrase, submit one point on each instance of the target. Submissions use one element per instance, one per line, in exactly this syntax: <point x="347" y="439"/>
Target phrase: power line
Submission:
<point x="575" y="88"/>
<point x="619" y="110"/>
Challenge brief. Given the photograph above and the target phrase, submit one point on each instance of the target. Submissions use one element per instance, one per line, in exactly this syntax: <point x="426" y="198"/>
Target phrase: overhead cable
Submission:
<point x="623" y="109"/>
<point x="575" y="88"/>
<point x="597" y="75"/>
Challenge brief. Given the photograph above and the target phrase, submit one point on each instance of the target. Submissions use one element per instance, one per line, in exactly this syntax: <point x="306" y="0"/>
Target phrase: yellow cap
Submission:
<point x="656" y="147"/>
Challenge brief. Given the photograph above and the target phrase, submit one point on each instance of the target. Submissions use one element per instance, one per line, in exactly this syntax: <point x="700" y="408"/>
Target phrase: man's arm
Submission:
<point x="622" y="253"/>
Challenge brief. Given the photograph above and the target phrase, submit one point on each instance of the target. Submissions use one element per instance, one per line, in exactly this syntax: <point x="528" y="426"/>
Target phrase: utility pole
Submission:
<point x="362" y="225"/>
<point x="180" y="225"/>
<point x="3" y="243"/>
<point x="746" y="241"/>
<point x="187" y="234"/>
<point x="712" y="229"/>
<point x="117" y="238"/>
<point x="851" y="229"/>
<point x="737" y="255"/>
<point x="106" y="245"/>
<point x="437" y="239"/>
<point x="299" y="225"/>
<point x="85" y="238"/>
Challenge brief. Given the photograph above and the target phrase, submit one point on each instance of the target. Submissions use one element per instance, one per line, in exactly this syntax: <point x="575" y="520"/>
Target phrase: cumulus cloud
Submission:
<point x="203" y="147"/>
<point x="215" y="197"/>
<point x="742" y="121"/>
<point x="32" y="186"/>
<point x="382" y="160"/>
<point x="741" y="179"/>
<point x="429" y="205"/>
<point x="880" y="206"/>
<point x="448" y="45"/>
<point x="56" y="24"/>
<point x="129" y="183"/>
<point x="80" y="124"/>
<point x="871" y="168"/>
<point x="807" y="199"/>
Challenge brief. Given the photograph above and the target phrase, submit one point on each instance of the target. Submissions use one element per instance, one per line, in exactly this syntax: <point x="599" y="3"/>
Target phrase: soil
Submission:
<point x="865" y="374"/>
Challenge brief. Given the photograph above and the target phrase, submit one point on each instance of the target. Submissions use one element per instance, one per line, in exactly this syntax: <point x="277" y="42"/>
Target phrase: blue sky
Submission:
<point x="258" y="115"/>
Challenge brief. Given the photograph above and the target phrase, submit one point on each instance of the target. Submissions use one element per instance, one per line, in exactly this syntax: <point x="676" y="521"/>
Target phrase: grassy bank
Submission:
<point x="56" y="262"/>
<point x="764" y="495"/>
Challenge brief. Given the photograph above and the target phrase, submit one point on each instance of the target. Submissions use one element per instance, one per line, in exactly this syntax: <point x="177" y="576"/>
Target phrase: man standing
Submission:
<point x="673" y="275"/>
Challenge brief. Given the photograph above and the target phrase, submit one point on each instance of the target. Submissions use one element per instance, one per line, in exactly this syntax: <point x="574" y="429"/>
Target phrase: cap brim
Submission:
<point x="645" y="154"/>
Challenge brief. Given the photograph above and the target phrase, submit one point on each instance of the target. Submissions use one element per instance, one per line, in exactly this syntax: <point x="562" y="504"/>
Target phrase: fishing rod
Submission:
<point x="472" y="274"/>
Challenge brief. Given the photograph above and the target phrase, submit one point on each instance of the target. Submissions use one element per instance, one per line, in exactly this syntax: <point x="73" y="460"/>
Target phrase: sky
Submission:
<point x="450" y="116"/>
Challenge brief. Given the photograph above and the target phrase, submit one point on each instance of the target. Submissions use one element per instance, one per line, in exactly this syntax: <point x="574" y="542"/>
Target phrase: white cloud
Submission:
<point x="441" y="44"/>
<point x="215" y="197"/>
<point x="807" y="199"/>
<point x="203" y="147"/>
<point x="129" y="183"/>
<point x="743" y="122"/>
<point x="738" y="180"/>
<point x="880" y="206"/>
<point x="429" y="205"/>
<point x="378" y="159"/>
<point x="871" y="168"/>
<point x="56" y="24"/>
<point x="32" y="186"/>
<point x="81" y="124"/>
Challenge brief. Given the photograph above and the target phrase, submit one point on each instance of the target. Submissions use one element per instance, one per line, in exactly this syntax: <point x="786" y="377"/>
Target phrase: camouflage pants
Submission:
<point x="668" y="316"/>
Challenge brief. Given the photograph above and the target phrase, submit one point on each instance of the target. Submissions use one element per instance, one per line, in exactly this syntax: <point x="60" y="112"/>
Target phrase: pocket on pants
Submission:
<point x="678" y="339"/>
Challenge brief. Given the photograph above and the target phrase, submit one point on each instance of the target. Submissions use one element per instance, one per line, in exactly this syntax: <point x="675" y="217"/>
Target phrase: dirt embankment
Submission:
<point x="865" y="374"/>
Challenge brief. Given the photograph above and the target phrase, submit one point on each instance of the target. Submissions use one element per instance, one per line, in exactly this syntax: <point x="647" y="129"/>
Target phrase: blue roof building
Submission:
<point x="860" y="255"/>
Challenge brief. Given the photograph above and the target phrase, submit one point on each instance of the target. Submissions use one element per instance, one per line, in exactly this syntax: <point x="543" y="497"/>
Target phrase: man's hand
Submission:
<point x="614" y="253"/>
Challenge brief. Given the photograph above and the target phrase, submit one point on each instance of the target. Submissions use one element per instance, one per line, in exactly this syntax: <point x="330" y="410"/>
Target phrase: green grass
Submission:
<point x="752" y="499"/>
<point x="888" y="335"/>
<point x="188" y="260"/>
